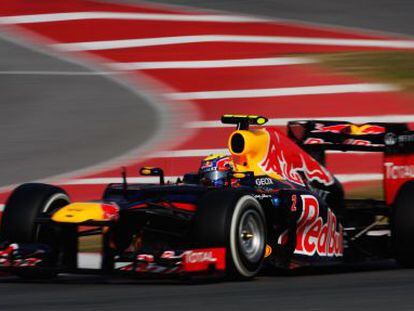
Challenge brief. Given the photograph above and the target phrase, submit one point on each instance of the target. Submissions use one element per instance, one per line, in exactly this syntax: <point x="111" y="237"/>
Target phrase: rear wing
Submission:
<point x="394" y="140"/>
<point x="345" y="136"/>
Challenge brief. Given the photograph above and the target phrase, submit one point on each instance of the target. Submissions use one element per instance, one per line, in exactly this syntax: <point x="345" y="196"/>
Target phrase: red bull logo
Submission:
<point x="371" y="129"/>
<point x="313" y="236"/>
<point x="337" y="128"/>
<point x="353" y="129"/>
<point x="287" y="160"/>
<point x="110" y="211"/>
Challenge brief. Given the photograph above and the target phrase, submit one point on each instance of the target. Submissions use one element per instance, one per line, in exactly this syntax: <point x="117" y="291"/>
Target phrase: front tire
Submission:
<point x="24" y="205"/>
<point x="235" y="220"/>
<point x="18" y="225"/>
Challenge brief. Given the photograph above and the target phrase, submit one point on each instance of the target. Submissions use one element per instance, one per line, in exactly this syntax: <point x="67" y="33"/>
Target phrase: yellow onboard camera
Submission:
<point x="243" y="121"/>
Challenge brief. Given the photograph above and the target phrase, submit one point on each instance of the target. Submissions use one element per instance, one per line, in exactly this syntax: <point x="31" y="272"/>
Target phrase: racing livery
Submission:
<point x="269" y="202"/>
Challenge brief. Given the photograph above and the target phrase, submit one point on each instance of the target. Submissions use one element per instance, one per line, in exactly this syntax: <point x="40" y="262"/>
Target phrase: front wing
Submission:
<point x="212" y="261"/>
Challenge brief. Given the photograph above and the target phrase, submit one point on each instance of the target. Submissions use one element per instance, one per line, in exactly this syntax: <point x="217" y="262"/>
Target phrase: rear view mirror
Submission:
<point x="153" y="171"/>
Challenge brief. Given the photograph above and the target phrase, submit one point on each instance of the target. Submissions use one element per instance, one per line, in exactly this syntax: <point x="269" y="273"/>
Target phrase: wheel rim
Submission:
<point x="251" y="236"/>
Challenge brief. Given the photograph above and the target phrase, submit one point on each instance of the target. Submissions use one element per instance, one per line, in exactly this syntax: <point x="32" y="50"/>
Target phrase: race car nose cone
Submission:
<point x="86" y="211"/>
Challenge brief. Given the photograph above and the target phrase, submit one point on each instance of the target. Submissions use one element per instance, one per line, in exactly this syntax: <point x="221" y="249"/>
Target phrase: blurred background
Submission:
<point x="90" y="86"/>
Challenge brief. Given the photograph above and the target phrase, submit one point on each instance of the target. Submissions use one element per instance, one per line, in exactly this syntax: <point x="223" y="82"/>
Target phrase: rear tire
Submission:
<point x="403" y="225"/>
<point x="235" y="220"/>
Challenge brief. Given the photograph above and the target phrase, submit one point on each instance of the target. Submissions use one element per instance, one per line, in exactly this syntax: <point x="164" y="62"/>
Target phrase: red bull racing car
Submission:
<point x="271" y="202"/>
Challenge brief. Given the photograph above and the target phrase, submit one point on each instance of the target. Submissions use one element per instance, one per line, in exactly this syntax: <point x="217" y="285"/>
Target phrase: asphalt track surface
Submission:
<point x="360" y="288"/>
<point x="57" y="117"/>
<point x="384" y="15"/>
<point x="373" y="287"/>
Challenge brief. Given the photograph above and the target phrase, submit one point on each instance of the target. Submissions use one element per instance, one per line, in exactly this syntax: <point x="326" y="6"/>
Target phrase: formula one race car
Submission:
<point x="271" y="202"/>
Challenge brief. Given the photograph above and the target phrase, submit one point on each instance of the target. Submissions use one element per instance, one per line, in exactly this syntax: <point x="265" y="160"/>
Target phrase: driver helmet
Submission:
<point x="215" y="169"/>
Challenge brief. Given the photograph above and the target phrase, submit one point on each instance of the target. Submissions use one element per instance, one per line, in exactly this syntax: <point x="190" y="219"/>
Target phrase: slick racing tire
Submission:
<point x="24" y="205"/>
<point x="234" y="220"/>
<point x="18" y="225"/>
<point x="403" y="225"/>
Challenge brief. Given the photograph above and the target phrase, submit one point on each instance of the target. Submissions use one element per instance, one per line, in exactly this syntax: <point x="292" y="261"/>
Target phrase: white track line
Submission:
<point x="189" y="153"/>
<point x="284" y="121"/>
<point x="287" y="91"/>
<point x="60" y="17"/>
<point x="56" y="73"/>
<point x="205" y="152"/>
<point x="345" y="178"/>
<point x="249" y="62"/>
<point x="129" y="43"/>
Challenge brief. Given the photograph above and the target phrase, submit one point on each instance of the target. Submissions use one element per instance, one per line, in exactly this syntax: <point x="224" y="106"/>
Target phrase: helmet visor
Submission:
<point x="215" y="175"/>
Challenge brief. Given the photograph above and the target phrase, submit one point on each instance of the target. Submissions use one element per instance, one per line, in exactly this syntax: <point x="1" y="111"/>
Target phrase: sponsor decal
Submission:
<point x="262" y="196"/>
<point x="357" y="142"/>
<point x="313" y="140"/>
<point x="110" y="211"/>
<point x="366" y="129"/>
<point x="264" y="181"/>
<point x="393" y="171"/>
<point x="398" y="169"/>
<point x="360" y="142"/>
<point x="204" y="259"/>
<point x="406" y="138"/>
<point x="199" y="257"/>
<point x="390" y="139"/>
<point x="315" y="237"/>
<point x="337" y="128"/>
<point x="289" y="162"/>
<point x="197" y="260"/>
<point x="352" y="129"/>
